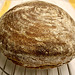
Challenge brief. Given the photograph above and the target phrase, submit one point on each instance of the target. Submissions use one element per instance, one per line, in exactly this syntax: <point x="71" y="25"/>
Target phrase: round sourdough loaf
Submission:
<point x="37" y="35"/>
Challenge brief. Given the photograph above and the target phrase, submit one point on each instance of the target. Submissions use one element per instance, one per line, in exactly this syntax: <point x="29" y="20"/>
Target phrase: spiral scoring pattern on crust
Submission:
<point x="37" y="28"/>
<point x="36" y="24"/>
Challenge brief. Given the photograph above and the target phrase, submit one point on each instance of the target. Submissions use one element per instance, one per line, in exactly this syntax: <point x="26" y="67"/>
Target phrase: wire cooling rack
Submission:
<point x="7" y="67"/>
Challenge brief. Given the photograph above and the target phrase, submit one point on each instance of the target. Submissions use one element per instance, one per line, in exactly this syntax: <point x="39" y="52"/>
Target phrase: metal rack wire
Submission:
<point x="9" y="68"/>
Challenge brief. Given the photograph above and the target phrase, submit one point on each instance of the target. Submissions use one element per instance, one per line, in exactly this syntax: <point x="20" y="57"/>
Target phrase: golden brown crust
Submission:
<point x="17" y="62"/>
<point x="36" y="30"/>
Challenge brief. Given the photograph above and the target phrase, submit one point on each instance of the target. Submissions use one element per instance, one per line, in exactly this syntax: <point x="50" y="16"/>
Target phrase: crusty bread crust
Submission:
<point x="37" y="35"/>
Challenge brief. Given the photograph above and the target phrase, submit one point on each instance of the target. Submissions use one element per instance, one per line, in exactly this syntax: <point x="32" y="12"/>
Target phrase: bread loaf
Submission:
<point x="37" y="34"/>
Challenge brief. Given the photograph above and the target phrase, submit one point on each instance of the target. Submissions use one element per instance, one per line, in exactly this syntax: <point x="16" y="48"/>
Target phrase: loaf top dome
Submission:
<point x="37" y="28"/>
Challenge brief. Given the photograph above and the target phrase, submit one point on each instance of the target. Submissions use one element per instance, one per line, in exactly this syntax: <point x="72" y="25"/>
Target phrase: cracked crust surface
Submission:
<point x="37" y="35"/>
